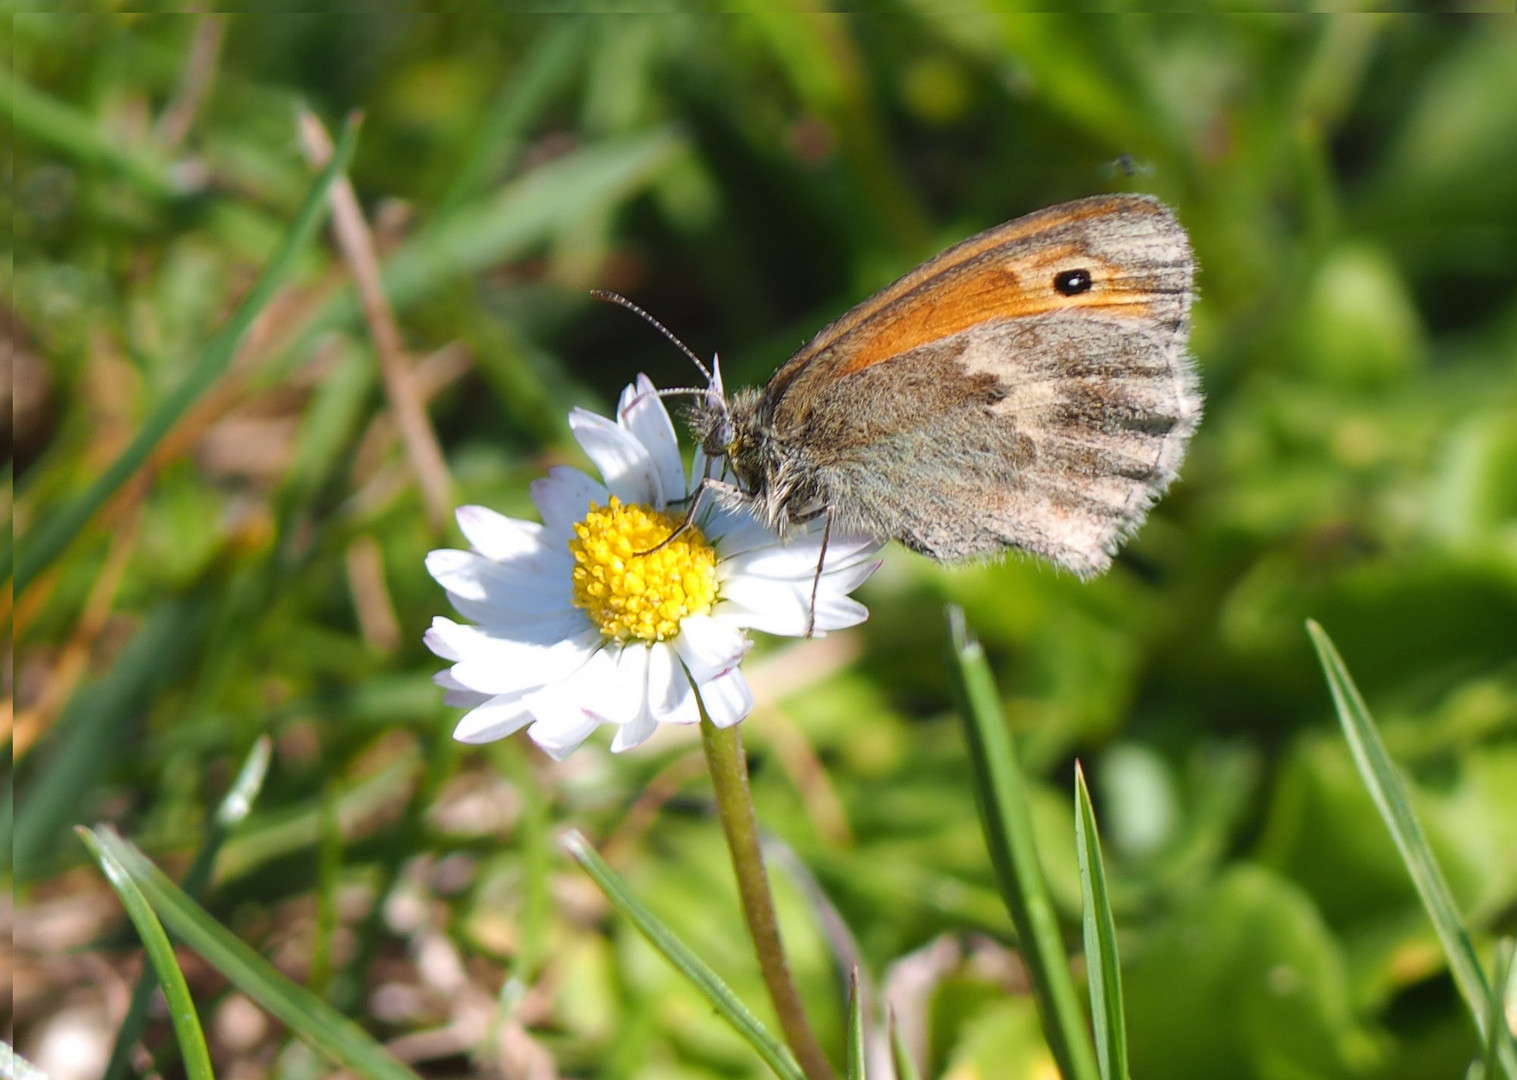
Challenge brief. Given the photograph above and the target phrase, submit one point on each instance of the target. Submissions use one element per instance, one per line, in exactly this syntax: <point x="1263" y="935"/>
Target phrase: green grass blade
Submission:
<point x="1390" y="796"/>
<point x="900" y="1053"/>
<point x="546" y="71"/>
<point x="1001" y="794"/>
<point x="176" y="991"/>
<point x="234" y="807"/>
<point x="855" y="1050"/>
<point x="727" y="1004"/>
<point x="307" y="1016"/>
<point x="1103" y="972"/>
<point x="76" y="136"/>
<point x="38" y="550"/>
<point x="1503" y="1001"/>
<point x="244" y="791"/>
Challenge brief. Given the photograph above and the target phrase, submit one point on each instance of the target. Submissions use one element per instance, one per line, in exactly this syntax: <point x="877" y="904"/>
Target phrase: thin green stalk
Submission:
<point x="734" y="802"/>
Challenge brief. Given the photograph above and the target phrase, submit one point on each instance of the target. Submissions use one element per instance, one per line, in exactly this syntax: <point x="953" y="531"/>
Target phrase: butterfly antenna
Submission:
<point x="618" y="298"/>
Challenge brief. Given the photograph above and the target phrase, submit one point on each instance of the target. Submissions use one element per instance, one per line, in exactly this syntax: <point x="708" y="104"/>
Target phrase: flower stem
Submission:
<point x="734" y="803"/>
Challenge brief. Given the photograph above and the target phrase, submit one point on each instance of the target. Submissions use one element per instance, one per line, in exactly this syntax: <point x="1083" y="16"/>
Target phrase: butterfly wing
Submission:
<point x="1028" y="388"/>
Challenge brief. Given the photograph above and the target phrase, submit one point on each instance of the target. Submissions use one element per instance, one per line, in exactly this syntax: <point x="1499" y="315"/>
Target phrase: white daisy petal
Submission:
<point x="727" y="699"/>
<point x="783" y="563"/>
<point x="671" y="697"/>
<point x="732" y="531"/>
<point x="561" y="720"/>
<point x="642" y="413"/>
<point x="664" y="675"/>
<point x="436" y="638"/>
<point x="710" y="647"/>
<point x="561" y="738"/>
<point x="497" y="718"/>
<point x="454" y="571"/>
<point x="846" y="579"/>
<point x="456" y="694"/>
<point x="777" y="561"/>
<point x="837" y="612"/>
<point x="540" y="629"/>
<point x="623" y="461"/>
<point x="845" y="550"/>
<point x="464" y="699"/>
<point x="496" y="536"/>
<point x="775" y="607"/>
<point x="563" y="496"/>
<point x="562" y="701"/>
<point x="522" y="586"/>
<point x="622" y="696"/>
<point x="634" y="733"/>
<point x="685" y="708"/>
<point x="497" y="666"/>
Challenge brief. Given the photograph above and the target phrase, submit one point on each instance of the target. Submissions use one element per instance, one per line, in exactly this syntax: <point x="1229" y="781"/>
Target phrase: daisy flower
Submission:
<point x="578" y="621"/>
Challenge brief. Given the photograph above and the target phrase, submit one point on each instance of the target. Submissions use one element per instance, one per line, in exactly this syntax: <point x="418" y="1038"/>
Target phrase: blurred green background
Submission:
<point x="1348" y="184"/>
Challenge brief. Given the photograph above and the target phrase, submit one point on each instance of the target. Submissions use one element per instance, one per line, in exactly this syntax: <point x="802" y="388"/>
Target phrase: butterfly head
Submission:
<point x="731" y="428"/>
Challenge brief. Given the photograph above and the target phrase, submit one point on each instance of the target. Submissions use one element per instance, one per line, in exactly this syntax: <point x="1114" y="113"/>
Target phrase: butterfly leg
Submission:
<point x="816" y="580"/>
<point x="821" y="560"/>
<point x="707" y="483"/>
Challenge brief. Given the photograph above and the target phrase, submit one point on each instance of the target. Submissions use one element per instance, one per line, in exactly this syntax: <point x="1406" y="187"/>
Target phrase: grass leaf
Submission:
<point x="1503" y="1001"/>
<point x="727" y="1004"/>
<point x="96" y="725"/>
<point x="1002" y="798"/>
<point x="234" y="808"/>
<point x="855" y="1051"/>
<point x="160" y="951"/>
<point x="900" y="1053"/>
<point x="1102" y="970"/>
<point x="47" y="542"/>
<point x="308" y="1016"/>
<point x="1391" y="799"/>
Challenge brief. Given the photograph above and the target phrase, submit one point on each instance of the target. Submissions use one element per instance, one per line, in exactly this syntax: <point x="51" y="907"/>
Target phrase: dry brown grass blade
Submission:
<point x="199" y="70"/>
<point x="72" y="663"/>
<point x="357" y="244"/>
<point x="371" y="597"/>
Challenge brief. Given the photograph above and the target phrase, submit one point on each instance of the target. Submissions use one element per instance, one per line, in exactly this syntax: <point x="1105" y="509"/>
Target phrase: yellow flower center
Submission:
<point x="630" y="590"/>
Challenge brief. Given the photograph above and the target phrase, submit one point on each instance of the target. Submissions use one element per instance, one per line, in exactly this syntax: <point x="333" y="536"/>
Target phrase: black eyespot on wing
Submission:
<point x="1072" y="282"/>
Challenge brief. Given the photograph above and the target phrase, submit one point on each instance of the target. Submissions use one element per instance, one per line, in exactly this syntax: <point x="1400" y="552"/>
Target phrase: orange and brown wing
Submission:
<point x="1004" y="273"/>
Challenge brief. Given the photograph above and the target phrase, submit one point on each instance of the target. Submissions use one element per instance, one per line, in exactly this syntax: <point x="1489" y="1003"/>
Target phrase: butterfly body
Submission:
<point x="1028" y="389"/>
